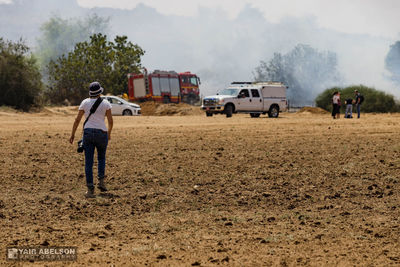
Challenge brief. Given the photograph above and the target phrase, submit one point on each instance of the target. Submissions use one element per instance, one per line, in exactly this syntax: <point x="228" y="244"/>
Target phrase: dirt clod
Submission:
<point x="161" y="257"/>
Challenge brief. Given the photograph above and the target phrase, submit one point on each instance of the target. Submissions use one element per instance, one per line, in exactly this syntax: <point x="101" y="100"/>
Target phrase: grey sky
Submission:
<point x="375" y="17"/>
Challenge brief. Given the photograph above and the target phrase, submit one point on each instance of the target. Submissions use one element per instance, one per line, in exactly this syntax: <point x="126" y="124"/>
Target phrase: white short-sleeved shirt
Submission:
<point x="336" y="99"/>
<point x="96" y="120"/>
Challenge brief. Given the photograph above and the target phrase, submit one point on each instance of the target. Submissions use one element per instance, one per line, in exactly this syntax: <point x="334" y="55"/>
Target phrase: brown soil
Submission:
<point x="191" y="190"/>
<point x="151" y="108"/>
<point x="313" y="110"/>
<point x="66" y="110"/>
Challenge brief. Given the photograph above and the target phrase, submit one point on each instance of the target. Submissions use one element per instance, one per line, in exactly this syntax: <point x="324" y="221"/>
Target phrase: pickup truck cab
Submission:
<point x="254" y="98"/>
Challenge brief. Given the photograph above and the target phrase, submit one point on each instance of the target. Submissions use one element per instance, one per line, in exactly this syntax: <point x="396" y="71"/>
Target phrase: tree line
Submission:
<point x="20" y="80"/>
<point x="97" y="60"/>
<point x="69" y="56"/>
<point x="72" y="53"/>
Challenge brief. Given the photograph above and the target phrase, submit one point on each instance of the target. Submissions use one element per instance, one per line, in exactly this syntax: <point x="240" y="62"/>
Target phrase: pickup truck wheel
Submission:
<point x="209" y="114"/>
<point x="273" y="111"/>
<point x="254" y="115"/>
<point x="229" y="111"/>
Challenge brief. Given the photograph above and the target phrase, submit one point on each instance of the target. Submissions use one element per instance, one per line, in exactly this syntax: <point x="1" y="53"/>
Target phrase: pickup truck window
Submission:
<point x="255" y="93"/>
<point x="233" y="92"/>
<point x="244" y="92"/>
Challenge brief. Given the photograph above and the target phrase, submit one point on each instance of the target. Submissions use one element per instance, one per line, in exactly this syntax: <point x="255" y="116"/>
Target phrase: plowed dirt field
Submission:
<point x="300" y="190"/>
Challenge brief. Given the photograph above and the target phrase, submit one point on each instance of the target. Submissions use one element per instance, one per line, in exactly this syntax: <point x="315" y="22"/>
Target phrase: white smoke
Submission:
<point x="224" y="46"/>
<point x="222" y="49"/>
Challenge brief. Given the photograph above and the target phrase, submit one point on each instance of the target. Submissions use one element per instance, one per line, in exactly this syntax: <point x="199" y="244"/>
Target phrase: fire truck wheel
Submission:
<point x="229" y="111"/>
<point x="209" y="114"/>
<point x="166" y="99"/>
<point x="127" y="112"/>
<point x="191" y="99"/>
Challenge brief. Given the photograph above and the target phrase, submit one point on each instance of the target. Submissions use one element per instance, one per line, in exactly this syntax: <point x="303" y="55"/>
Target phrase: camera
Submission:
<point x="80" y="146"/>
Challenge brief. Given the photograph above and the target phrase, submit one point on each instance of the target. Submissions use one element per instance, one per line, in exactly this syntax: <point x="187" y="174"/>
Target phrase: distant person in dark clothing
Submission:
<point x="336" y="105"/>
<point x="349" y="108"/>
<point x="359" y="100"/>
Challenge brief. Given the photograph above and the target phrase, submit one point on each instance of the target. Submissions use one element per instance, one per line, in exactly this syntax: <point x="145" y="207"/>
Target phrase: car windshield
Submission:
<point x="115" y="100"/>
<point x="120" y="99"/>
<point x="229" y="91"/>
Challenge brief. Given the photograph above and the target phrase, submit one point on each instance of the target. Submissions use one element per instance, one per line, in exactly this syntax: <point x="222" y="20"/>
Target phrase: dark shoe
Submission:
<point x="102" y="186"/>
<point x="90" y="193"/>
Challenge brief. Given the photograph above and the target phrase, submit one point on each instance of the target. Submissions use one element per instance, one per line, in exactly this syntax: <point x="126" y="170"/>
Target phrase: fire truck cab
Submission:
<point x="164" y="86"/>
<point x="189" y="87"/>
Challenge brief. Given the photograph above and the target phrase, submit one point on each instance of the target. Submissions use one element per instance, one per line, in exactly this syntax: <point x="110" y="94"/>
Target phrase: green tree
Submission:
<point x="305" y="70"/>
<point x="98" y="60"/>
<point x="392" y="62"/>
<point x="20" y="79"/>
<point x="59" y="36"/>
<point x="374" y="100"/>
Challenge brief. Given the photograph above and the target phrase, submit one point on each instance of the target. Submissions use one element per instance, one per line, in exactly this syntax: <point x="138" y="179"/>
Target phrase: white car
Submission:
<point x="120" y="106"/>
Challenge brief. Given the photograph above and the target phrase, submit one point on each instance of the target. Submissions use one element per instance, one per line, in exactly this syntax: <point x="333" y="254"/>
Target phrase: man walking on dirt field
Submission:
<point x="95" y="134"/>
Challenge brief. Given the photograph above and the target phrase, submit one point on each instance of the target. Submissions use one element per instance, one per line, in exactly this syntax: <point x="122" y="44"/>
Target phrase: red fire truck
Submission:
<point x="164" y="86"/>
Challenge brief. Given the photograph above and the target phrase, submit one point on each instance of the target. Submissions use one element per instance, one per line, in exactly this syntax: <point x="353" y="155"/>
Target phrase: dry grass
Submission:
<point x="151" y="108"/>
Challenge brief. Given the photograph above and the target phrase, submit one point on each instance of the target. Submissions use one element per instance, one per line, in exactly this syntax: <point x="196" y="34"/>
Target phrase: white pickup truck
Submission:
<point x="254" y="98"/>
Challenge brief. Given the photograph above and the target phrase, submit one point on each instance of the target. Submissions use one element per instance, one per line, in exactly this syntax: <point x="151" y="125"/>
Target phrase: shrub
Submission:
<point x="374" y="100"/>
<point x="20" y="79"/>
<point x="98" y="60"/>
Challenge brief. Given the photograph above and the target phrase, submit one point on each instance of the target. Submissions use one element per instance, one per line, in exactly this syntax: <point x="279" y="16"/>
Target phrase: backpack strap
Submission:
<point x="93" y="109"/>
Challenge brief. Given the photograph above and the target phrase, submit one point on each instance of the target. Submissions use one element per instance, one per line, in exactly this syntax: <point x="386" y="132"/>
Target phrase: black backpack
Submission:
<point x="361" y="98"/>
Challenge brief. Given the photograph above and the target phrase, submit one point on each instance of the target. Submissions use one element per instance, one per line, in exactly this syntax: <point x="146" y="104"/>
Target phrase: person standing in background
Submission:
<point x="349" y="108"/>
<point x="359" y="100"/>
<point x="336" y="105"/>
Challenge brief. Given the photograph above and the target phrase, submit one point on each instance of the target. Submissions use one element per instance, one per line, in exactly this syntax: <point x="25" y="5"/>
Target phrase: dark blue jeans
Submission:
<point x="358" y="110"/>
<point x="94" y="138"/>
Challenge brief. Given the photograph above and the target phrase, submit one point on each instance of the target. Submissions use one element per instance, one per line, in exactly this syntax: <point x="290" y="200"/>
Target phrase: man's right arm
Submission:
<point x="76" y="124"/>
